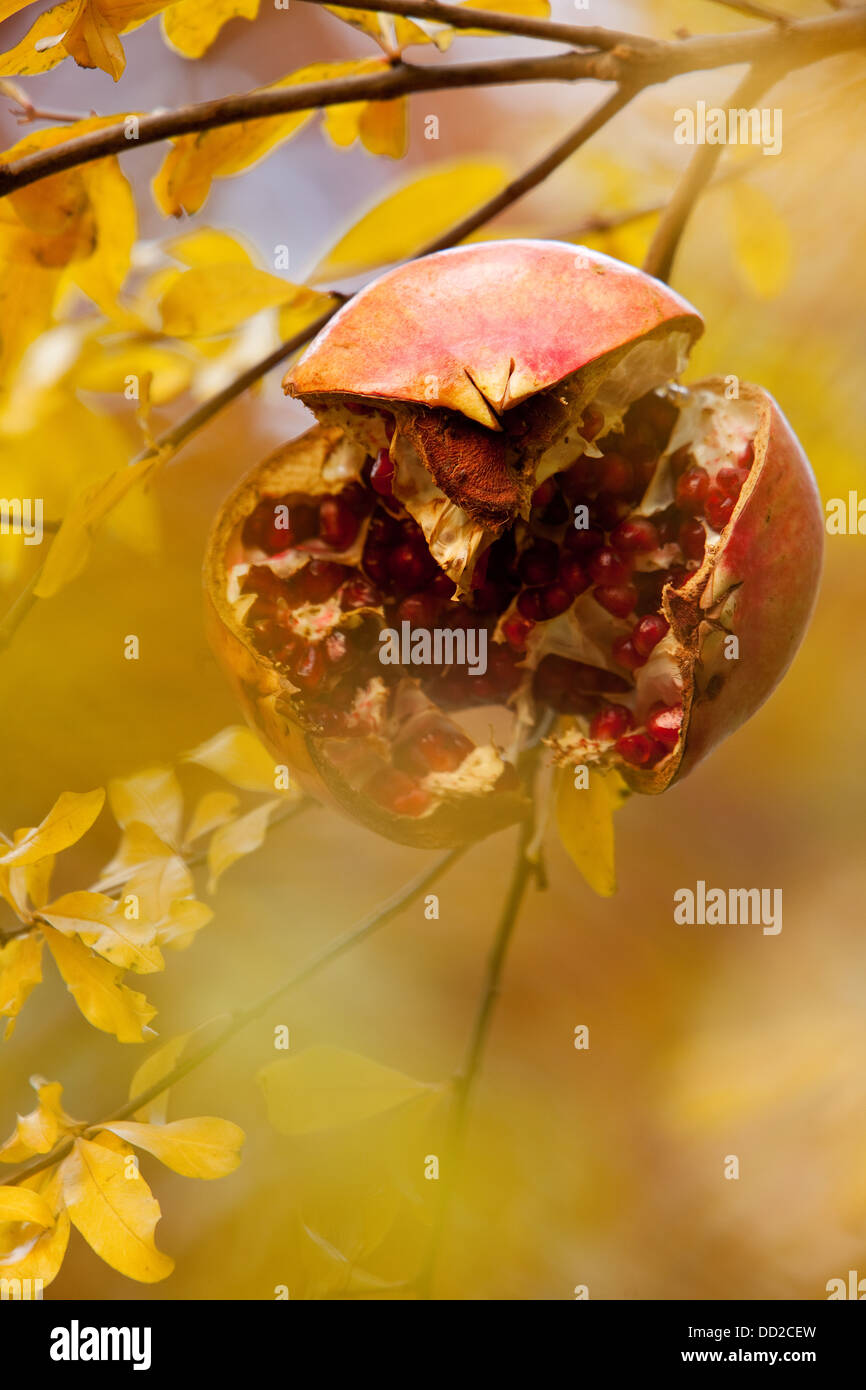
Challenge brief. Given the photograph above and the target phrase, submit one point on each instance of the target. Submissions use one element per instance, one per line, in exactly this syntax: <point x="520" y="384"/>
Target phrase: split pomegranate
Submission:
<point x="507" y="465"/>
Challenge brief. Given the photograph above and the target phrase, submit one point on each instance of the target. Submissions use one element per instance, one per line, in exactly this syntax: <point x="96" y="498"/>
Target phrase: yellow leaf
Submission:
<point x="236" y="754"/>
<point x="415" y="214"/>
<point x="71" y="816"/>
<point x="37" y="878"/>
<point x="304" y="310"/>
<point x="324" y="1088"/>
<point x="116" y="1215"/>
<point x="22" y="1204"/>
<point x="215" y="298"/>
<point x="102" y="925"/>
<point x="108" y="367"/>
<point x="92" y="41"/>
<point x="25" y="59"/>
<point x="584" y="818"/>
<point x="214" y="808"/>
<point x="530" y="9"/>
<point x="155" y="1067"/>
<point x="27" y="294"/>
<point x="761" y="239"/>
<point x="140" y="848"/>
<point x="184" y="181"/>
<point x="383" y="127"/>
<point x="101" y="274"/>
<point x="202" y="1147"/>
<point x="152" y="798"/>
<point x="30" y="1250"/>
<point x="20" y="972"/>
<point x="208" y="246"/>
<point x="96" y="987"/>
<point x="231" y="842"/>
<point x="39" y="1130"/>
<point x="191" y="27"/>
<point x="71" y="549"/>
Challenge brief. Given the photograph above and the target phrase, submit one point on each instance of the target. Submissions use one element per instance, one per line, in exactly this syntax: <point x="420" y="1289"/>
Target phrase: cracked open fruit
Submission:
<point x="503" y="445"/>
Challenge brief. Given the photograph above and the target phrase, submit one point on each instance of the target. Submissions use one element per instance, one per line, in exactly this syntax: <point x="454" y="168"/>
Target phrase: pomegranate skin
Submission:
<point x="759" y="583"/>
<point x="264" y="695"/>
<point x="480" y="328"/>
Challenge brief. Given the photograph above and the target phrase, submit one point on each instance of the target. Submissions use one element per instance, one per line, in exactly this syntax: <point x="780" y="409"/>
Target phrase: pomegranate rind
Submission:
<point x="265" y="694"/>
<point x="759" y="583"/>
<point x="480" y="328"/>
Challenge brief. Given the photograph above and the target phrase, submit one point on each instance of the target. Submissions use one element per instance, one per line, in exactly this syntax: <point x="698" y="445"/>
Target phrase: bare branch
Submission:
<point x="456" y="17"/>
<point x="803" y="42"/>
<point x="537" y="173"/>
<point x="663" y="247"/>
<point x="756" y="11"/>
<point x="238" y="1020"/>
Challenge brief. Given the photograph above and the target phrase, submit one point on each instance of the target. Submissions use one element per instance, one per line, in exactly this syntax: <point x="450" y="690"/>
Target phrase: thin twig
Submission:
<point x="538" y="172"/>
<point x="466" y="1077"/>
<point x="457" y="17"/>
<point x="757" y="11"/>
<point x="805" y="41"/>
<point x="240" y="1018"/>
<point x="663" y="247"/>
<point x="192" y="861"/>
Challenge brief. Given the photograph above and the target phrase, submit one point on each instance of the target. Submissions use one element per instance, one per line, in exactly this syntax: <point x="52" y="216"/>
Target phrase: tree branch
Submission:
<point x="804" y="41"/>
<point x="241" y="1017"/>
<point x="663" y="247"/>
<point x="466" y="1077"/>
<point x="456" y="17"/>
<point x="537" y="173"/>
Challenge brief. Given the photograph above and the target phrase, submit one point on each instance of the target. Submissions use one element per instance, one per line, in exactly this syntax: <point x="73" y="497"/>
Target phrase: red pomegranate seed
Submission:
<point x="731" y="480"/>
<point x="397" y="792"/>
<point x="442" y="586"/>
<point x="318" y="581"/>
<point x="636" y="749"/>
<point x="572" y="575"/>
<point x="382" y="474"/>
<point x="538" y="563"/>
<point x="544" y="494"/>
<point x="375" y="562"/>
<point x="747" y="457"/>
<point x="607" y="511"/>
<point x="626" y="654"/>
<point x="580" y="478"/>
<point x="693" y="539"/>
<point x="359" y="593"/>
<point x="591" y="422"/>
<point x="678" y="576"/>
<point x="503" y="674"/>
<point x="419" y="610"/>
<point x="584" y="540"/>
<point x="618" y="599"/>
<point x="358" y="408"/>
<point x="488" y="598"/>
<point x="667" y="525"/>
<point x="636" y="533"/>
<point x="261" y="529"/>
<point x="410" y="565"/>
<point x="308" y="668"/>
<point x="611" y="722"/>
<point x="438" y="750"/>
<point x="356" y="496"/>
<point x="338" y="524"/>
<point x="664" y="723"/>
<point x="692" y="489"/>
<point x="649" y="632"/>
<point x="556" y="598"/>
<point x="336" y="647"/>
<point x="607" y="566"/>
<point x="384" y="530"/>
<point x="531" y="605"/>
<point x="516" y="631"/>
<point x="718" y="508"/>
<point x="616" y="475"/>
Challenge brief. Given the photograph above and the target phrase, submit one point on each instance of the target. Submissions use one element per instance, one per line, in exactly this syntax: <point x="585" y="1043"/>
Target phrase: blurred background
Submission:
<point x="601" y="1167"/>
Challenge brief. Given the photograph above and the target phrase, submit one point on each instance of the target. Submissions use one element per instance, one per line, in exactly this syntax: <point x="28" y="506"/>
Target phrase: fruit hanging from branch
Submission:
<point x="503" y="444"/>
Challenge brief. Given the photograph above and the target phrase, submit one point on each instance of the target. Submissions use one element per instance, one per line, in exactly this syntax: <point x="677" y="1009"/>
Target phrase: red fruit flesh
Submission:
<point x="664" y="723"/>
<point x="611" y="722"/>
<point x="692" y="489"/>
<point x="649" y="632"/>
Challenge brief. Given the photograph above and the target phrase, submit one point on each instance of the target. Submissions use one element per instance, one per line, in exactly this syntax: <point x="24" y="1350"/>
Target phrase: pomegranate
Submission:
<point x="505" y="455"/>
